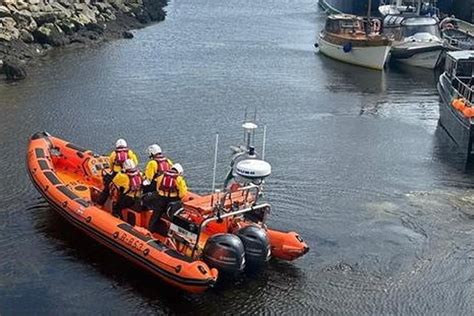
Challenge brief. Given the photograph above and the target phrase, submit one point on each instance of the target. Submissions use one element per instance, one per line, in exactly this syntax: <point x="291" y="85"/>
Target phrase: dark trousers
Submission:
<point x="124" y="201"/>
<point x="104" y="195"/>
<point x="159" y="205"/>
<point x="149" y="188"/>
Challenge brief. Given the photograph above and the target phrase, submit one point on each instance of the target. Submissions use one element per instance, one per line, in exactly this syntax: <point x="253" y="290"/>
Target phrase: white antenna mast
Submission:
<point x="264" y="141"/>
<point x="215" y="164"/>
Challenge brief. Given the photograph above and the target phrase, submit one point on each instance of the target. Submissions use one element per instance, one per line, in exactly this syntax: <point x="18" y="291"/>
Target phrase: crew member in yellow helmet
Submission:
<point x="129" y="185"/>
<point x="155" y="167"/>
<point x="171" y="187"/>
<point x="116" y="161"/>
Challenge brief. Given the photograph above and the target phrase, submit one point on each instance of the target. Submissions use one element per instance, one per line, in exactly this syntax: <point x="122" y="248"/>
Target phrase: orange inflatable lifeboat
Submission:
<point x="198" y="239"/>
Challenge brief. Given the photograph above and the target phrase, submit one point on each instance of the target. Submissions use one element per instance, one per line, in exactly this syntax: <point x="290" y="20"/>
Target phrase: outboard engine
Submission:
<point x="256" y="245"/>
<point x="225" y="252"/>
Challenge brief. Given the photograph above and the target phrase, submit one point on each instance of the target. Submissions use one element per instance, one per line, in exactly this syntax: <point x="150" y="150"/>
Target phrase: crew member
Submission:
<point x="120" y="154"/>
<point x="116" y="161"/>
<point x="171" y="187"/>
<point x="157" y="164"/>
<point x="129" y="185"/>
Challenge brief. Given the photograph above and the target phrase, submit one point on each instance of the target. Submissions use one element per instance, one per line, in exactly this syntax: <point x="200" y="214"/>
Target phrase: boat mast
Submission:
<point x="368" y="29"/>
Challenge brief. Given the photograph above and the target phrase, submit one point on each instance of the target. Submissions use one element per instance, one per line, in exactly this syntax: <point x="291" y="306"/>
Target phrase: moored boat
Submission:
<point x="416" y="40"/>
<point x="456" y="111"/>
<point x="354" y="40"/>
<point x="203" y="236"/>
<point x="356" y="7"/>
<point x="458" y="34"/>
<point x="409" y="7"/>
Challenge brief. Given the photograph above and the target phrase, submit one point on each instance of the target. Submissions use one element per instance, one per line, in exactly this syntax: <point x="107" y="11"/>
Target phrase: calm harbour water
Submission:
<point x="357" y="159"/>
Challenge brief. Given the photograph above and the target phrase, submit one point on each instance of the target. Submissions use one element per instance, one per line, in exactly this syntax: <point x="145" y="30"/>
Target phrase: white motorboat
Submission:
<point x="411" y="7"/>
<point x="416" y="40"/>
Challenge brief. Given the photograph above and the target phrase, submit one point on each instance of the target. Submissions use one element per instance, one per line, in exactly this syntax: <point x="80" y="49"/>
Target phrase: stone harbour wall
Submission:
<point x="29" y="28"/>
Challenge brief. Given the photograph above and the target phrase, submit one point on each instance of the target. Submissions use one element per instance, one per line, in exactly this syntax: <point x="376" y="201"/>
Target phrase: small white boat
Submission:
<point x="354" y="40"/>
<point x="458" y="34"/>
<point x="416" y="40"/>
<point x="411" y="7"/>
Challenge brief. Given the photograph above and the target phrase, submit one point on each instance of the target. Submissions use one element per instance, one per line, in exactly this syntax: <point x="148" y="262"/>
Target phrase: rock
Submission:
<point x="8" y="29"/>
<point x="60" y="12"/>
<point x="50" y="34"/>
<point x="34" y="8"/>
<point x="26" y="36"/>
<point x="14" y="69"/>
<point x="155" y="9"/>
<point x="8" y="2"/>
<point x="44" y="17"/>
<point x="119" y="5"/>
<point x="102" y="6"/>
<point x="96" y="27"/>
<point x="20" y="5"/>
<point x="66" y="3"/>
<point x="5" y="12"/>
<point x="34" y="2"/>
<point x="141" y="15"/>
<point x="79" y="21"/>
<point x="109" y="16"/>
<point x="5" y="36"/>
<point x="24" y="20"/>
<point x="68" y="26"/>
<point x="8" y="22"/>
<point x="127" y="34"/>
<point x="85" y="13"/>
<point x="45" y="7"/>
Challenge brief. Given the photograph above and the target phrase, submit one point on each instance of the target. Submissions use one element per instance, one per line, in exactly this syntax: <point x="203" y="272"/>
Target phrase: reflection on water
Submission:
<point x="358" y="168"/>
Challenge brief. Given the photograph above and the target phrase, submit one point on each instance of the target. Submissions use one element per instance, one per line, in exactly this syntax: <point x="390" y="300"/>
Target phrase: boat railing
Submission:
<point x="219" y="217"/>
<point x="464" y="90"/>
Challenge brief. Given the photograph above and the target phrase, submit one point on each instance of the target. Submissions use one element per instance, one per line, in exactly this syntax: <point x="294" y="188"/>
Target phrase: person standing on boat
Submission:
<point x="155" y="167"/>
<point x="116" y="161"/>
<point x="129" y="186"/>
<point x="171" y="187"/>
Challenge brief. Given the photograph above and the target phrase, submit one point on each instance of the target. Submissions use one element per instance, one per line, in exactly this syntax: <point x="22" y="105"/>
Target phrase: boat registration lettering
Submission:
<point x="132" y="241"/>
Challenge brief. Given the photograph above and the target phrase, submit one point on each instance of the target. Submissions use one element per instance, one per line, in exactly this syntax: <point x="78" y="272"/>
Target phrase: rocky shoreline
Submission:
<point x="31" y="28"/>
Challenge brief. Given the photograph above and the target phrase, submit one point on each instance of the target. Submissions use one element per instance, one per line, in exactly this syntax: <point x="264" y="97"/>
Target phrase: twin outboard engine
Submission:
<point x="225" y="252"/>
<point x="256" y="245"/>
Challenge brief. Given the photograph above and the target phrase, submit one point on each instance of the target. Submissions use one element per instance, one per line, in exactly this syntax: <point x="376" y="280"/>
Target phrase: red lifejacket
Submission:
<point x="121" y="154"/>
<point x="168" y="185"/>
<point x="135" y="183"/>
<point x="163" y="165"/>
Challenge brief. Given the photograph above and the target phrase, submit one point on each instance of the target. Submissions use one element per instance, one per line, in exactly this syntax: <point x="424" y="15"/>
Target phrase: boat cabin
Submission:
<point x="345" y="24"/>
<point x="399" y="27"/>
<point x="459" y="68"/>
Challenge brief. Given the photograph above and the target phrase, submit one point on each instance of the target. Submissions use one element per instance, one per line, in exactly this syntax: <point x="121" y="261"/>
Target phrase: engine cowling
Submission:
<point x="256" y="245"/>
<point x="225" y="252"/>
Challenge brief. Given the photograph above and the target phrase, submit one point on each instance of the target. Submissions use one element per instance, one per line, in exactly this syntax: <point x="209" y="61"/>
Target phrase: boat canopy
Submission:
<point x="399" y="27"/>
<point x="403" y="20"/>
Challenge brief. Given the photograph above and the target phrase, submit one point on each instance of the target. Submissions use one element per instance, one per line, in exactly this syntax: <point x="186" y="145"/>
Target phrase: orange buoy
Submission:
<point x="459" y="104"/>
<point x="468" y="112"/>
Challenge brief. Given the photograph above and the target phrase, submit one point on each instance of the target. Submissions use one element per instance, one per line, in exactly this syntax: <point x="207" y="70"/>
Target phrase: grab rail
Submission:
<point x="225" y="215"/>
<point x="464" y="90"/>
